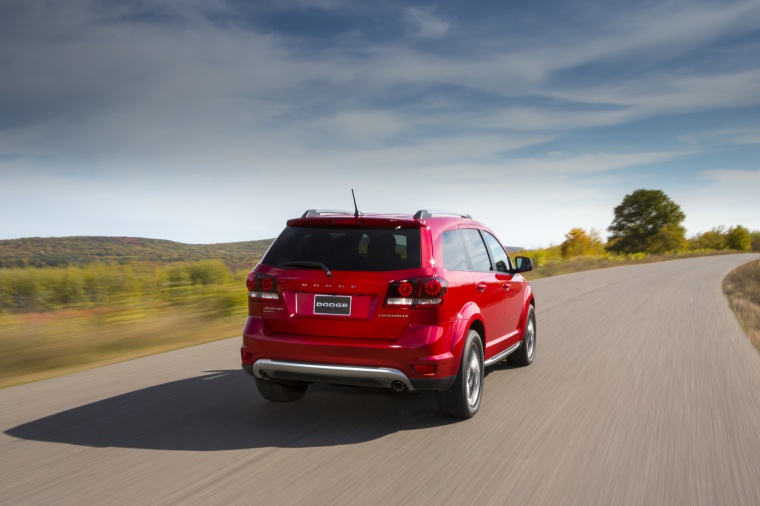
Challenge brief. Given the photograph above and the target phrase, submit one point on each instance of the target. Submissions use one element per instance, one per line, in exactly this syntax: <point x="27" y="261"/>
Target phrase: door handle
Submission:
<point x="481" y="287"/>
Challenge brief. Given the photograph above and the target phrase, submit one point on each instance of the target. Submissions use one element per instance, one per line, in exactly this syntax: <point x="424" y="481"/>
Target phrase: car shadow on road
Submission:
<point x="222" y="410"/>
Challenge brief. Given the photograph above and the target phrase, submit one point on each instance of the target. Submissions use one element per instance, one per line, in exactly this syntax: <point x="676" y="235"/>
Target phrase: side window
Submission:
<point x="476" y="249"/>
<point x="454" y="256"/>
<point x="500" y="257"/>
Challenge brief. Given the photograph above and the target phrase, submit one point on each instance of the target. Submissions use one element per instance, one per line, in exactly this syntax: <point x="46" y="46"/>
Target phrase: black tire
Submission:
<point x="527" y="351"/>
<point x="462" y="400"/>
<point x="277" y="392"/>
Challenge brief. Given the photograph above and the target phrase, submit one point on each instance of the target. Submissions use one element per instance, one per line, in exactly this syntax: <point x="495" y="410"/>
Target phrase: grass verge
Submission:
<point x="742" y="288"/>
<point x="43" y="345"/>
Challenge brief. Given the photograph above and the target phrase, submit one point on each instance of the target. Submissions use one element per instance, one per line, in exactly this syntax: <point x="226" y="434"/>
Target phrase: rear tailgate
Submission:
<point x="347" y="305"/>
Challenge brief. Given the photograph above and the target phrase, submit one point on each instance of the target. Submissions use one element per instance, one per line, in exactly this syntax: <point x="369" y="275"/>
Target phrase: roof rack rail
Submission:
<point x="321" y="212"/>
<point x="424" y="213"/>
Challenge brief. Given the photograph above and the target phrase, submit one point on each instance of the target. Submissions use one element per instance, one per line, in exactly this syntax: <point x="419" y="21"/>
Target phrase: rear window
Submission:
<point x="348" y="249"/>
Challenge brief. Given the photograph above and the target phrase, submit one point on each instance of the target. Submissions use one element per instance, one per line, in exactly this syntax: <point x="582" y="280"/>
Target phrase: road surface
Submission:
<point x="644" y="391"/>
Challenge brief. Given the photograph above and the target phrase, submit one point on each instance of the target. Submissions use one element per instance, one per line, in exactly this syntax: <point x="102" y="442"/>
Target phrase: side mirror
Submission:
<point x="523" y="264"/>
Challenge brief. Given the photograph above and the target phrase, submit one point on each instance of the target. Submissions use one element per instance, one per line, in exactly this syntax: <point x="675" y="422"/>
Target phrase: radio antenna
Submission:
<point x="356" y="208"/>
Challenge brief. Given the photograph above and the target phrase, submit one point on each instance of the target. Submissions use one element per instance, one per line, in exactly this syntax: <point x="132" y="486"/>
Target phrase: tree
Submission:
<point x="738" y="238"/>
<point x="755" y="236"/>
<point x="578" y="243"/>
<point x="712" y="239"/>
<point x="647" y="221"/>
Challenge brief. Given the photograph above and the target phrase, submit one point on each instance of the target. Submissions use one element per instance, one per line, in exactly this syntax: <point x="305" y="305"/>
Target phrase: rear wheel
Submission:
<point x="527" y="351"/>
<point x="276" y="392"/>
<point x="462" y="400"/>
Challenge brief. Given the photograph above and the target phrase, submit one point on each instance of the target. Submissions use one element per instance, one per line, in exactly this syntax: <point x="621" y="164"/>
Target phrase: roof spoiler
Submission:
<point x="323" y="212"/>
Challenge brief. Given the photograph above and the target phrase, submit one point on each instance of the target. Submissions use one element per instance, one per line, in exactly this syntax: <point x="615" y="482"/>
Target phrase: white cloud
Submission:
<point x="675" y="93"/>
<point x="362" y="127"/>
<point x="727" y="197"/>
<point x="424" y="24"/>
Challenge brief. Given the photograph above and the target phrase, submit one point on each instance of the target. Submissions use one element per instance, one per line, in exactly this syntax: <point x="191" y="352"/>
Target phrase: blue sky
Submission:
<point x="217" y="120"/>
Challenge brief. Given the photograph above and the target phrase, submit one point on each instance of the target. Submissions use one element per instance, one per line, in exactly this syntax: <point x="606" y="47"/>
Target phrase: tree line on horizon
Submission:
<point x="648" y="222"/>
<point x="80" y="251"/>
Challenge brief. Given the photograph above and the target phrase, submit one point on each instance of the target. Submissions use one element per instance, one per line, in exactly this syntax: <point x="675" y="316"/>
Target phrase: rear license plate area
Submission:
<point x="335" y="305"/>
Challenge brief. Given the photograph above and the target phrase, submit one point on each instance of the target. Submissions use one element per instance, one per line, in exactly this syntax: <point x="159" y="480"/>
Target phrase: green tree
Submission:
<point x="712" y="239"/>
<point x="755" y="236"/>
<point x="738" y="238"/>
<point x="579" y="243"/>
<point x="647" y="221"/>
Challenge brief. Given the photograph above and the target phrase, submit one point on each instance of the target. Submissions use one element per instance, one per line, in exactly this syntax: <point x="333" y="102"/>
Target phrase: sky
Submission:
<point x="209" y="121"/>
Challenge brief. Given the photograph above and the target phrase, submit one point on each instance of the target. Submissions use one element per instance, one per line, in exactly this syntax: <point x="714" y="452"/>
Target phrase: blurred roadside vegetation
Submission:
<point x="582" y="251"/>
<point x="742" y="288"/>
<point x="57" y="320"/>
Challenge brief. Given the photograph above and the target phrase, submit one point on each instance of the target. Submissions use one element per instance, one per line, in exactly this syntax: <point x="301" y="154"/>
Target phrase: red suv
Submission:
<point x="405" y="302"/>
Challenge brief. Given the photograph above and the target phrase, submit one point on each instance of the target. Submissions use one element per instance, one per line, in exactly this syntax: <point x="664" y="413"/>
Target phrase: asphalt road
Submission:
<point x="644" y="391"/>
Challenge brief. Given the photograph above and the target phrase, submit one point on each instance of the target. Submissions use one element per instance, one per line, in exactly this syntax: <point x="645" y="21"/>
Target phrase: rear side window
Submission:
<point x="476" y="249"/>
<point x="500" y="257"/>
<point x="349" y="249"/>
<point x="454" y="256"/>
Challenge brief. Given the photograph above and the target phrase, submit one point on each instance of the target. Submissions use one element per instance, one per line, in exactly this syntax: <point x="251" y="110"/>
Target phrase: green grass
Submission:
<point x="742" y="288"/>
<point x="42" y="345"/>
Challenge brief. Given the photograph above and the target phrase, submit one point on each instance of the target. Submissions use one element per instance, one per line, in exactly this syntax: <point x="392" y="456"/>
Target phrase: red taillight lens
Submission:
<point x="424" y="292"/>
<point x="405" y="288"/>
<point x="432" y="292"/>
<point x="262" y="287"/>
<point x="401" y="293"/>
<point x="432" y="287"/>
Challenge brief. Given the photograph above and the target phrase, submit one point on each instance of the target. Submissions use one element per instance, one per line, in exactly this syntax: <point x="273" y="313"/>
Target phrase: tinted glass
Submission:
<point x="500" y="257"/>
<point x="477" y="250"/>
<point x="350" y="249"/>
<point x="454" y="256"/>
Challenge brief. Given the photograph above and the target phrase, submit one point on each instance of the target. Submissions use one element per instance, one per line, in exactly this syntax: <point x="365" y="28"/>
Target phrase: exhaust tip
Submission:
<point x="398" y="386"/>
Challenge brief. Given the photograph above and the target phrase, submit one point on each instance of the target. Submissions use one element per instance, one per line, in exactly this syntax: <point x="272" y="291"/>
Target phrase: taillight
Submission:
<point x="401" y="293"/>
<point x="432" y="291"/>
<point x="417" y="292"/>
<point x="262" y="287"/>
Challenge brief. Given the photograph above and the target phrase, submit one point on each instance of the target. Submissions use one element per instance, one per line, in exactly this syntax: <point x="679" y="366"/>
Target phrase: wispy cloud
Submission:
<point x="422" y="22"/>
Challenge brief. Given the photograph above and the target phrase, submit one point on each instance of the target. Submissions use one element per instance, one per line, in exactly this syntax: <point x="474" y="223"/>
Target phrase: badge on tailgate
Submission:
<point x="332" y="305"/>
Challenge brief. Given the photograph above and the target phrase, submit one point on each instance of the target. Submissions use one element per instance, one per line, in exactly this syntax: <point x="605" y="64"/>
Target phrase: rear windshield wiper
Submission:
<point x="309" y="265"/>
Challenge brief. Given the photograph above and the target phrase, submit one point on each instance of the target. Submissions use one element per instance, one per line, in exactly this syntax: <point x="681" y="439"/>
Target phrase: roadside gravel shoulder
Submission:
<point x="742" y="289"/>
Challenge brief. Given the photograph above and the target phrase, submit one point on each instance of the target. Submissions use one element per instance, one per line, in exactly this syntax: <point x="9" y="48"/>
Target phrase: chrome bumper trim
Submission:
<point x="344" y="374"/>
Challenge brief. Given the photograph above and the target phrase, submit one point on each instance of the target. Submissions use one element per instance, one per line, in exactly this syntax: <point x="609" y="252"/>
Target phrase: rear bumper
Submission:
<point x="344" y="375"/>
<point x="361" y="362"/>
<point x="323" y="373"/>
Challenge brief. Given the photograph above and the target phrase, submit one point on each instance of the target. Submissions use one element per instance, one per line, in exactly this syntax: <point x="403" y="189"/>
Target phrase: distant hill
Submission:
<point x="63" y="251"/>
